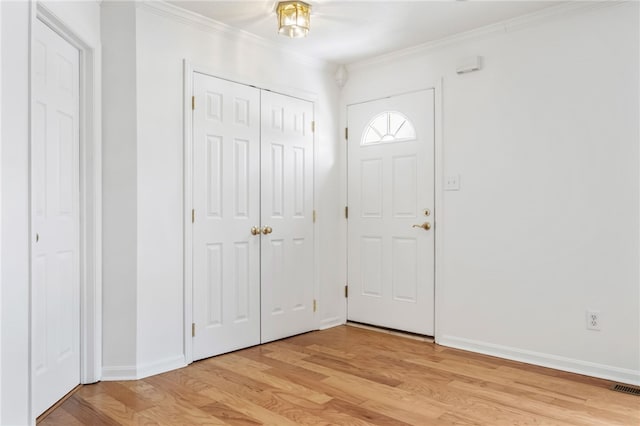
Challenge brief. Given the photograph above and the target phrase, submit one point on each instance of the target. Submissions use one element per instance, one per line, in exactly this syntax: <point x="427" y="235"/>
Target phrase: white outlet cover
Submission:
<point x="593" y="320"/>
<point x="452" y="183"/>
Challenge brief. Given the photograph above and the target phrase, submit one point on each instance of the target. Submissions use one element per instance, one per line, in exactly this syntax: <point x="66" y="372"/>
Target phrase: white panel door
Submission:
<point x="287" y="216"/>
<point x="226" y="201"/>
<point x="391" y="200"/>
<point x="54" y="218"/>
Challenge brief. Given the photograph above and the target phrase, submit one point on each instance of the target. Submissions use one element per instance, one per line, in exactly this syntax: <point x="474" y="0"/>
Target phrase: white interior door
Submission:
<point x="287" y="216"/>
<point x="391" y="200"/>
<point x="226" y="201"/>
<point x="54" y="218"/>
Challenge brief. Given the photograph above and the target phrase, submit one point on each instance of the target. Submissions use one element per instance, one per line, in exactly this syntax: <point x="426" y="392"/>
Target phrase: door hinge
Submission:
<point x="193" y="102"/>
<point x="315" y="305"/>
<point x="346" y="291"/>
<point x="193" y="215"/>
<point x="193" y="329"/>
<point x="313" y="126"/>
<point x="314" y="216"/>
<point x="346" y="133"/>
<point x="346" y="212"/>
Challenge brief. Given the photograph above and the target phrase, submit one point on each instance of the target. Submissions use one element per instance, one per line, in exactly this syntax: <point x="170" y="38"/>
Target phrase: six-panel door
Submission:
<point x="226" y="202"/>
<point x="55" y="219"/>
<point x="287" y="211"/>
<point x="253" y="221"/>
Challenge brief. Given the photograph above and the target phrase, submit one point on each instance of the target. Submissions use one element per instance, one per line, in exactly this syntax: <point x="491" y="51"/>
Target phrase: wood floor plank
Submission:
<point x="229" y="415"/>
<point x="286" y="362"/>
<point x="85" y="413"/>
<point x="267" y="397"/>
<point x="454" y="419"/>
<point x="356" y="377"/>
<point x="364" y="413"/>
<point x="117" y="411"/>
<point x="408" y="401"/>
<point x="401" y="413"/>
<point x="133" y="400"/>
<point x="301" y="376"/>
<point x="263" y="376"/>
<point x="330" y="351"/>
<point x="249" y="408"/>
<point x="553" y="411"/>
<point x="61" y="417"/>
<point x="319" y="386"/>
<point x="180" y="416"/>
<point x="180" y="393"/>
<point x="356" y="368"/>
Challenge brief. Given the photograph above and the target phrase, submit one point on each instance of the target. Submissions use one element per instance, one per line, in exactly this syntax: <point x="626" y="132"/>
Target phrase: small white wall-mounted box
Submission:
<point x="469" y="64"/>
<point x="452" y="183"/>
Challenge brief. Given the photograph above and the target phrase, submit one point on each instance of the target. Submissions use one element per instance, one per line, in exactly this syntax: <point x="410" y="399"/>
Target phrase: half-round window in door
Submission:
<point x="390" y="126"/>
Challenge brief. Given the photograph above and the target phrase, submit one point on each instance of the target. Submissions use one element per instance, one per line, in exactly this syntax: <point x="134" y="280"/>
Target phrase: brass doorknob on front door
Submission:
<point x="255" y="230"/>
<point x="426" y="226"/>
<point x="267" y="230"/>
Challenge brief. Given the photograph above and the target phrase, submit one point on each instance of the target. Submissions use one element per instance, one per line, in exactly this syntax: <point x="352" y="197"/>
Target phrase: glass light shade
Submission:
<point x="293" y="18"/>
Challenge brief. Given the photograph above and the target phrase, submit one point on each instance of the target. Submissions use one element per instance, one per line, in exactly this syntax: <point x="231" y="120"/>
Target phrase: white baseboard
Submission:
<point x="119" y="373"/>
<point x="142" y="371"/>
<point x="161" y="366"/>
<point x="331" y="322"/>
<point x="586" y="368"/>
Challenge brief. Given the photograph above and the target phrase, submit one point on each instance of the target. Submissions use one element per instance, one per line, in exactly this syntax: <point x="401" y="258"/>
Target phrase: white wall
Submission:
<point x="14" y="324"/>
<point x="83" y="20"/>
<point x="546" y="224"/>
<point x="161" y="41"/>
<point x="119" y="189"/>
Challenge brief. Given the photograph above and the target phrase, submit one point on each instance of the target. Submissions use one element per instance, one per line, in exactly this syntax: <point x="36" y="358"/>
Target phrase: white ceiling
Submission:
<point x="346" y="31"/>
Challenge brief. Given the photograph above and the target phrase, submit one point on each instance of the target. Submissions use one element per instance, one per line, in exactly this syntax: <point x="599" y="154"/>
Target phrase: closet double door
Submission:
<point x="252" y="216"/>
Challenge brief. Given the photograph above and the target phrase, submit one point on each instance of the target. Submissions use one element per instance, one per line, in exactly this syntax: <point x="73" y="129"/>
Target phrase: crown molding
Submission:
<point x="564" y="10"/>
<point x="215" y="27"/>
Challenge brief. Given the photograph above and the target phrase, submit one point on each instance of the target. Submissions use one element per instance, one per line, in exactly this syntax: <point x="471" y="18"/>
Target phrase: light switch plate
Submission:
<point x="452" y="183"/>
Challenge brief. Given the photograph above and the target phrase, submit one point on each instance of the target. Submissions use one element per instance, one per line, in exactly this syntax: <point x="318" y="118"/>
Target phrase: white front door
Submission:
<point x="390" y="223"/>
<point x="55" y="351"/>
<point x="287" y="216"/>
<point x="226" y="201"/>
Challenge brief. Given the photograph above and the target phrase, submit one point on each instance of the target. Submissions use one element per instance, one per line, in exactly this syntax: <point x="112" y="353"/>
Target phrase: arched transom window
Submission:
<point x="390" y="126"/>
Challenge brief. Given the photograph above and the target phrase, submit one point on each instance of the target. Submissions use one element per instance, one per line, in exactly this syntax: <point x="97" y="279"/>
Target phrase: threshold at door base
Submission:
<point x="400" y="333"/>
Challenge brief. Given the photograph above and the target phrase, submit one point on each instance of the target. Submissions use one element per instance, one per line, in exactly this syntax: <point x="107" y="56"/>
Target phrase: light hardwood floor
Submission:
<point x="351" y="376"/>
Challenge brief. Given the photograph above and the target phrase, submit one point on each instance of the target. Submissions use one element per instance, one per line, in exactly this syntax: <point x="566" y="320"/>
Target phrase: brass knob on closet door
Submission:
<point x="255" y="230"/>
<point x="426" y="226"/>
<point x="267" y="230"/>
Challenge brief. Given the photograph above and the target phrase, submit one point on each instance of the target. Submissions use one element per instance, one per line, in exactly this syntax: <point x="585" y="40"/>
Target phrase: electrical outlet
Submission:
<point x="593" y="320"/>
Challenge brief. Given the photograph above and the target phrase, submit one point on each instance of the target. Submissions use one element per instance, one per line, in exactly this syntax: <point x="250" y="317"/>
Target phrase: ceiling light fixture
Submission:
<point x="293" y="18"/>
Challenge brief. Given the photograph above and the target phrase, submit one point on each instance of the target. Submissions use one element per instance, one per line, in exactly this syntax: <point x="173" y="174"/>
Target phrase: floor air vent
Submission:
<point x="632" y="390"/>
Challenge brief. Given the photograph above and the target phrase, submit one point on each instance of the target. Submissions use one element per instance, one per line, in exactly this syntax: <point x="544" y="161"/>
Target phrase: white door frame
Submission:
<point x="1" y="203"/>
<point x="438" y="225"/>
<point x="188" y="70"/>
<point x="90" y="201"/>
